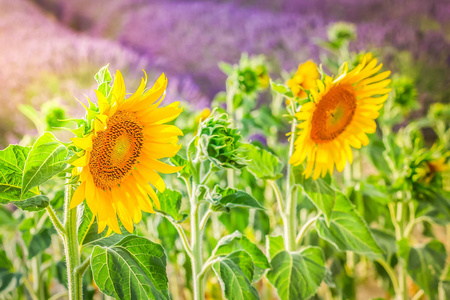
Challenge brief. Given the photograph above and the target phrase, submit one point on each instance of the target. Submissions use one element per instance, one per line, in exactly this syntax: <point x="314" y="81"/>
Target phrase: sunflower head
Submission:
<point x="304" y="79"/>
<point x="119" y="159"/>
<point x="221" y="143"/>
<point x="341" y="114"/>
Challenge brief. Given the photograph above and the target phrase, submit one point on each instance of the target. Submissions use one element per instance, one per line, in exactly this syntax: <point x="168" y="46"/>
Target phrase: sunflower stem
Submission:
<point x="71" y="247"/>
<point x="291" y="199"/>
<point x="196" y="243"/>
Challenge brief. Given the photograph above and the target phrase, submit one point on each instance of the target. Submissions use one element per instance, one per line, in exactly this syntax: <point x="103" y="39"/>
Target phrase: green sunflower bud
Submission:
<point x="405" y="93"/>
<point x="340" y="32"/>
<point x="221" y="143"/>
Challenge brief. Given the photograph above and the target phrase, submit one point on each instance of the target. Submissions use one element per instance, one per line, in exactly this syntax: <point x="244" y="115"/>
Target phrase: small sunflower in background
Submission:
<point x="304" y="79"/>
<point x="122" y="151"/>
<point x="341" y="114"/>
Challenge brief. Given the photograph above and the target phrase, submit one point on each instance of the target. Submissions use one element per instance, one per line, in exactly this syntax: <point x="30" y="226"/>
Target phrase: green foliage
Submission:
<point x="237" y="241"/>
<point x="226" y="199"/>
<point x="39" y="242"/>
<point x="426" y="265"/>
<point x="170" y="201"/>
<point x="297" y="275"/>
<point x="232" y="271"/>
<point x="347" y="230"/>
<point x="134" y="268"/>
<point x="263" y="164"/>
<point x="104" y="79"/>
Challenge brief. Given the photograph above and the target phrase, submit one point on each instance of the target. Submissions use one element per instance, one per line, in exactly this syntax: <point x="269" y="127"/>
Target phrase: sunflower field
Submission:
<point x="231" y="150"/>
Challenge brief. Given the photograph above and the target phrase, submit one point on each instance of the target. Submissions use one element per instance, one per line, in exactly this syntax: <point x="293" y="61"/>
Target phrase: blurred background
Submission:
<point x="50" y="49"/>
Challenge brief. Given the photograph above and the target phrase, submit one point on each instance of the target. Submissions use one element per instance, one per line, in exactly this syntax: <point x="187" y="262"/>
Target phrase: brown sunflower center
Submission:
<point x="116" y="150"/>
<point x="333" y="113"/>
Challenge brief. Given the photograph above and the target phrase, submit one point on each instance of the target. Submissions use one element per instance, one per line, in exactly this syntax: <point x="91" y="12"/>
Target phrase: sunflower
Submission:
<point x="121" y="154"/>
<point x="341" y="114"/>
<point x="304" y="79"/>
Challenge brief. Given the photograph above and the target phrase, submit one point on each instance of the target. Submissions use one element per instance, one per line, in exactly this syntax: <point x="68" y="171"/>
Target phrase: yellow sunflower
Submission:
<point x="121" y="154"/>
<point x="304" y="79"/>
<point x="341" y="114"/>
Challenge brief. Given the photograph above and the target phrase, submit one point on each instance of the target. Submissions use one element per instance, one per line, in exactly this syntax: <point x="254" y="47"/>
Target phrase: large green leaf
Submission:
<point x="297" y="275"/>
<point x="134" y="268"/>
<point x="45" y="160"/>
<point x="12" y="162"/>
<point x="237" y="241"/>
<point x="262" y="163"/>
<point x="232" y="271"/>
<point x="347" y="230"/>
<point x="226" y="199"/>
<point x="320" y="193"/>
<point x="425" y="266"/>
<point x="170" y="202"/>
<point x="274" y="244"/>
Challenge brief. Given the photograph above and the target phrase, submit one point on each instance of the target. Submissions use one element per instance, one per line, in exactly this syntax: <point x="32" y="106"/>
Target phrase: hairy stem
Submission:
<point x="71" y="247"/>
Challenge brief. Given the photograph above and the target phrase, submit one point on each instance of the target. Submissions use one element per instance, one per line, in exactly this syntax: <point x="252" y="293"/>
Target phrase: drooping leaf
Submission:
<point x="347" y="230"/>
<point x="263" y="164"/>
<point x="45" y="160"/>
<point x="226" y="199"/>
<point x="425" y="266"/>
<point x="134" y="268"/>
<point x="297" y="275"/>
<point x="170" y="202"/>
<point x="236" y="241"/>
<point x="34" y="203"/>
<point x="40" y="242"/>
<point x="320" y="193"/>
<point x="234" y="282"/>
<point x="274" y="244"/>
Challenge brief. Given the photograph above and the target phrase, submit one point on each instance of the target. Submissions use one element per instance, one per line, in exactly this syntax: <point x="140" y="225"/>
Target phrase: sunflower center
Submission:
<point x="333" y="113"/>
<point x="116" y="150"/>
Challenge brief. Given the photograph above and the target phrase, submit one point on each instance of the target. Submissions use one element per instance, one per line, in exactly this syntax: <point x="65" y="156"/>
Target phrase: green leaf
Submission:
<point x="226" y="199"/>
<point x="425" y="266"/>
<point x="244" y="261"/>
<point x="170" y="202"/>
<point x="234" y="282"/>
<point x="297" y="275"/>
<point x="45" y="160"/>
<point x="134" y="268"/>
<point x="104" y="78"/>
<point x="347" y="230"/>
<point x="179" y="161"/>
<point x="88" y="234"/>
<point x="8" y="279"/>
<point x="263" y="164"/>
<point x="226" y="68"/>
<point x="236" y="241"/>
<point x="386" y="241"/>
<point x="274" y="244"/>
<point x="40" y="242"/>
<point x="281" y="89"/>
<point x="12" y="162"/>
<point x="35" y="203"/>
<point x="320" y="193"/>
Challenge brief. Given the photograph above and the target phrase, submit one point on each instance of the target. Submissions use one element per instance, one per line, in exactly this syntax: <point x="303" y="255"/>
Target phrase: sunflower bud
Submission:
<point x="341" y="32"/>
<point x="221" y="143"/>
<point x="405" y="93"/>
